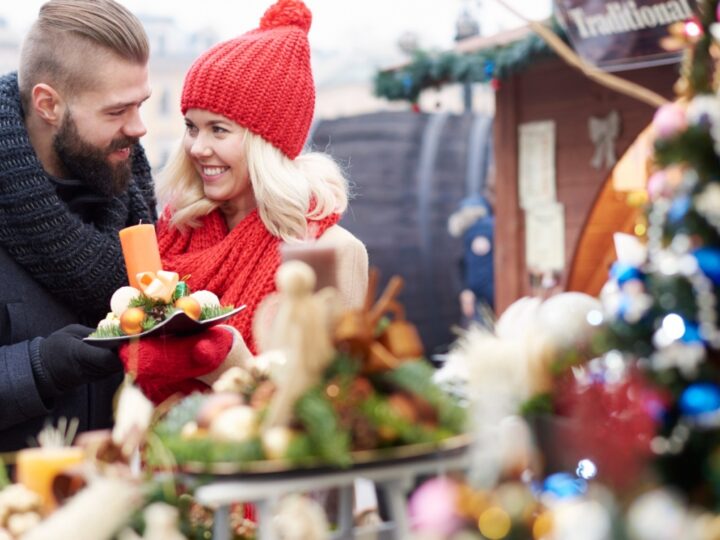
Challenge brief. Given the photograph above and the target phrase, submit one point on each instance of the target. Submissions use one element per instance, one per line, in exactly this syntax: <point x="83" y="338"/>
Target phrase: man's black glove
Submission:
<point x="64" y="361"/>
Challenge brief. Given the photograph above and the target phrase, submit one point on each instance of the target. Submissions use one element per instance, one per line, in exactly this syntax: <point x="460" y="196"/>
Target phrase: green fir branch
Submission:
<point x="146" y="303"/>
<point x="433" y="70"/>
<point x="416" y="378"/>
<point x="321" y="424"/>
<point x="343" y="366"/>
<point x="539" y="404"/>
<point x="210" y="312"/>
<point x="107" y="331"/>
<point x="4" y="478"/>
<point x="149" y="323"/>
<point x="385" y="418"/>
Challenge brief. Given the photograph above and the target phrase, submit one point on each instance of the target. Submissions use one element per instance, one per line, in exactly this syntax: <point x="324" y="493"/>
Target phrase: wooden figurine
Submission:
<point x="301" y="330"/>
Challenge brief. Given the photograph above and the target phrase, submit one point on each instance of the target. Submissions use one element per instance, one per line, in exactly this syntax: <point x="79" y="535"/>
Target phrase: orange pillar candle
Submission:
<point x="36" y="469"/>
<point x="140" y="249"/>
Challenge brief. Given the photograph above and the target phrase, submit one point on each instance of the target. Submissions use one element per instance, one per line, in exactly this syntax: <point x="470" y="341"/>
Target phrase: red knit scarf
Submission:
<point x="238" y="266"/>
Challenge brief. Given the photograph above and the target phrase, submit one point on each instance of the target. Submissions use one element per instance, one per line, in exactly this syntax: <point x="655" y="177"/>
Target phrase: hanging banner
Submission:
<point x="623" y="34"/>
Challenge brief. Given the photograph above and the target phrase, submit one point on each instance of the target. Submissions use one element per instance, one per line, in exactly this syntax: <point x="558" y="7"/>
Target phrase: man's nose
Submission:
<point x="135" y="126"/>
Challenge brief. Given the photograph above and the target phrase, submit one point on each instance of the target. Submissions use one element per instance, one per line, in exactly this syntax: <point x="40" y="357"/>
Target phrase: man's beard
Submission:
<point x="90" y="164"/>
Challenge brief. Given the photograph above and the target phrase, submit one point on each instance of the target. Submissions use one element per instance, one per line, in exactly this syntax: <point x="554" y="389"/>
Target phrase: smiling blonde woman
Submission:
<point x="239" y="185"/>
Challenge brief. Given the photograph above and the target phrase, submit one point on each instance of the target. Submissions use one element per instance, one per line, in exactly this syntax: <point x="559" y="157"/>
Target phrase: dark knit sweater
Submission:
<point x="76" y="256"/>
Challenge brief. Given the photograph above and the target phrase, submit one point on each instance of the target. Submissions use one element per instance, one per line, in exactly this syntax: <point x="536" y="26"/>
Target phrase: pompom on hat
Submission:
<point x="262" y="79"/>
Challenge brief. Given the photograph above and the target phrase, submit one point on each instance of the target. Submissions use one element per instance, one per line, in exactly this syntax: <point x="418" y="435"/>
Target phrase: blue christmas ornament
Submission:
<point x="624" y="306"/>
<point x="407" y="82"/>
<point x="489" y="69"/>
<point x="564" y="485"/>
<point x="624" y="272"/>
<point x="679" y="209"/>
<point x="700" y="398"/>
<point x="708" y="259"/>
<point x="692" y="333"/>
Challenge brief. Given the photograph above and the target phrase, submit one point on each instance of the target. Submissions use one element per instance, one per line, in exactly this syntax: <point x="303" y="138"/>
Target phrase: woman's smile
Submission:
<point x="212" y="173"/>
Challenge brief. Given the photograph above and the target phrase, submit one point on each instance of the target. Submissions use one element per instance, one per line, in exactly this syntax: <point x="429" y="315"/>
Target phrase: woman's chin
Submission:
<point x="214" y="196"/>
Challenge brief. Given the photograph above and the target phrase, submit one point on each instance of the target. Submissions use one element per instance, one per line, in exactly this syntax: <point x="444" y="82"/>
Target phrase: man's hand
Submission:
<point x="67" y="361"/>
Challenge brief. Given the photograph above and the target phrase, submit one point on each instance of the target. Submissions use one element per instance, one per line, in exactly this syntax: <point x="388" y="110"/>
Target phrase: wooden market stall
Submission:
<point x="552" y="91"/>
<point x="558" y="133"/>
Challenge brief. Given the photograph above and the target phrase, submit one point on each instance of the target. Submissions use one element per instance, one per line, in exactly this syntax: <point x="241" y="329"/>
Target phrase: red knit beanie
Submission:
<point x="261" y="80"/>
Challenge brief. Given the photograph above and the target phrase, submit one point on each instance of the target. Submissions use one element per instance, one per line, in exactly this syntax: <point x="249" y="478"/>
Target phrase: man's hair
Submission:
<point x="70" y="38"/>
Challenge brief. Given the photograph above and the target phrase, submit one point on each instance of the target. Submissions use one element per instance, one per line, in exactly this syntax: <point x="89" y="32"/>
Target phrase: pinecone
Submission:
<point x="157" y="313"/>
<point x="347" y="407"/>
<point x="364" y="434"/>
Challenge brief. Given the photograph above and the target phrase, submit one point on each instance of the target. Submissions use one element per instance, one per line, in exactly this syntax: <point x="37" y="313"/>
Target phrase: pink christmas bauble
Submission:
<point x="433" y="507"/>
<point x="669" y="120"/>
<point x="657" y="185"/>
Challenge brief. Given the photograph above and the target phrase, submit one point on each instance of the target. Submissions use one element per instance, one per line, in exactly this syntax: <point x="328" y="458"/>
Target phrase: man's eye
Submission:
<point x="117" y="113"/>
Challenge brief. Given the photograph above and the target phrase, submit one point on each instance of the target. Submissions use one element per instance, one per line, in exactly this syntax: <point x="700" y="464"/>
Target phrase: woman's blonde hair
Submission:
<point x="287" y="192"/>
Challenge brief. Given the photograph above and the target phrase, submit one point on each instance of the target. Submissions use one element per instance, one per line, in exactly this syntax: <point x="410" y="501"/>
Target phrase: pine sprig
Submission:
<point x="431" y="70"/>
<point x="344" y="366"/>
<point x="539" y="404"/>
<point x="149" y="323"/>
<point x="146" y="303"/>
<point x="4" y="478"/>
<point x="416" y="378"/>
<point x="321" y="424"/>
<point x="107" y="331"/>
<point x="210" y="312"/>
<point x="694" y="146"/>
<point x="201" y="450"/>
<point x="208" y="451"/>
<point x="182" y="413"/>
<point x="385" y="418"/>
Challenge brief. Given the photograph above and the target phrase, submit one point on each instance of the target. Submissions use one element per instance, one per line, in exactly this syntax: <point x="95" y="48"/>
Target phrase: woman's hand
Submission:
<point x="165" y="365"/>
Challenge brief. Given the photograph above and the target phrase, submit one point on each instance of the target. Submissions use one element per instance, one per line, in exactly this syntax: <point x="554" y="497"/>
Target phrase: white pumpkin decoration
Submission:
<point x="206" y="298"/>
<point x="120" y="300"/>
<point x="236" y="424"/>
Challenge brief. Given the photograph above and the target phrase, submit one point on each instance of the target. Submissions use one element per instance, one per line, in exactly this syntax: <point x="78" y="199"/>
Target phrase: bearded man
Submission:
<point x="72" y="174"/>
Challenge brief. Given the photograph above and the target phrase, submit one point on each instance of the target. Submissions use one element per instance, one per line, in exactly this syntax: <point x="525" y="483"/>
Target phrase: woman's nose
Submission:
<point x="200" y="147"/>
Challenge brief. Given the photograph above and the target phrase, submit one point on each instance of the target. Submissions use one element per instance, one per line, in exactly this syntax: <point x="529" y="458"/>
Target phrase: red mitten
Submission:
<point x="167" y="365"/>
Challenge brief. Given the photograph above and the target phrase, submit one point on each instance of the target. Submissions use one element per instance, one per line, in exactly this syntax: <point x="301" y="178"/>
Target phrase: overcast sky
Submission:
<point x="361" y="34"/>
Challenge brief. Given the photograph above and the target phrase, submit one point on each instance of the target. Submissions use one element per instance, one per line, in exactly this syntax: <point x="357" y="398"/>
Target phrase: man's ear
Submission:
<point x="47" y="103"/>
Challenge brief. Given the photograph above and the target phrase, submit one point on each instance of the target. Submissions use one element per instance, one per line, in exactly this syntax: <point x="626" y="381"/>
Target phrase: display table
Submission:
<point x="393" y="477"/>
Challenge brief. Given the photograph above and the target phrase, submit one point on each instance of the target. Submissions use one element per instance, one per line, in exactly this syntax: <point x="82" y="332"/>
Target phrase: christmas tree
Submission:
<point x="626" y="427"/>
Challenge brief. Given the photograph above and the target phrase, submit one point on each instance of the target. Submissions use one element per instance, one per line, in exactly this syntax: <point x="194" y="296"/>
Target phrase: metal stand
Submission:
<point x="263" y="491"/>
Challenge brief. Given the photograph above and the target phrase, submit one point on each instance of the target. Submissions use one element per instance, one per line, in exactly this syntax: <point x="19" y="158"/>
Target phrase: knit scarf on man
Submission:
<point x="79" y="262"/>
<point x="238" y="266"/>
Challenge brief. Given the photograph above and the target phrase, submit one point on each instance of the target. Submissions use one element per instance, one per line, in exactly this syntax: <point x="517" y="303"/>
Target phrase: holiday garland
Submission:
<point x="432" y="69"/>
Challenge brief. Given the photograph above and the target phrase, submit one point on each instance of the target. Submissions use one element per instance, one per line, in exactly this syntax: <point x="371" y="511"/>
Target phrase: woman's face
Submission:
<point x="215" y="145"/>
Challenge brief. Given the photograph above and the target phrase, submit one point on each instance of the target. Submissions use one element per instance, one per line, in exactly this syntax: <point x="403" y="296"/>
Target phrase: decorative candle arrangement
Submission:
<point x="154" y="295"/>
<point x="38" y="467"/>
